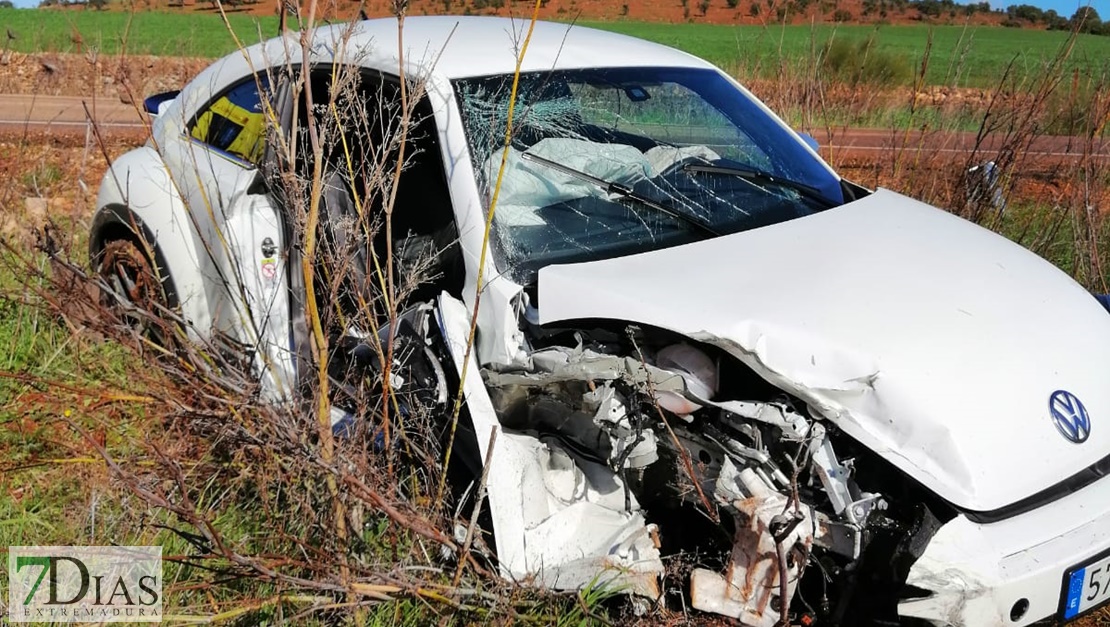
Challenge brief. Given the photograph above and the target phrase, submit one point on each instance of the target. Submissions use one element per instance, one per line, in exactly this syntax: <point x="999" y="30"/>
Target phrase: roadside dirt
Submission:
<point x="51" y="178"/>
<point x="127" y="77"/>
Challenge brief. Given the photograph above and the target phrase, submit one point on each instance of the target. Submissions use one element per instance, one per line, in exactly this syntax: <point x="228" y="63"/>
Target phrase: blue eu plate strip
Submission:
<point x="1075" y="593"/>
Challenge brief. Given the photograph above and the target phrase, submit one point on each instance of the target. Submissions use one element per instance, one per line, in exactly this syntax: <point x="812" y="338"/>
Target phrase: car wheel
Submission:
<point x="131" y="289"/>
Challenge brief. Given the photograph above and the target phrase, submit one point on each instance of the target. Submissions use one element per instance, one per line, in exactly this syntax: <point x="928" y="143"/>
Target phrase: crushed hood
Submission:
<point x="932" y="341"/>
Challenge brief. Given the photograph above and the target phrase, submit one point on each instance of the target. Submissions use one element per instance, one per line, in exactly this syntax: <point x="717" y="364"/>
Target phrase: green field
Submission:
<point x="961" y="57"/>
<point x="988" y="49"/>
<point x="200" y="34"/>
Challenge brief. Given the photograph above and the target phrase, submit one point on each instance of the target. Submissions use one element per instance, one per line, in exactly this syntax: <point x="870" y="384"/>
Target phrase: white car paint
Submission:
<point x="980" y="571"/>
<point x="139" y="181"/>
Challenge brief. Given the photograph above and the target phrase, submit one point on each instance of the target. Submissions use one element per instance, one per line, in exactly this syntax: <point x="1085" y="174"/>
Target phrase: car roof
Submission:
<point x="467" y="46"/>
<point x="437" y="48"/>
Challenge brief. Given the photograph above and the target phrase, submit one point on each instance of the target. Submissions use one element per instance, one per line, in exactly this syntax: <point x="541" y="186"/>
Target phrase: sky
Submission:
<point x="1063" y="7"/>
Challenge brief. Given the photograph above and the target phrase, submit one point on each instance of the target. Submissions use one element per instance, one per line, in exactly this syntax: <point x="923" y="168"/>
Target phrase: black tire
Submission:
<point x="131" y="289"/>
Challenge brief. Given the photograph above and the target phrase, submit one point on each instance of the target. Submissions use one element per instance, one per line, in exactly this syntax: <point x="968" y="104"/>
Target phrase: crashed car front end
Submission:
<point x="730" y="368"/>
<point x="610" y="457"/>
<point x="988" y="505"/>
<point x="613" y="458"/>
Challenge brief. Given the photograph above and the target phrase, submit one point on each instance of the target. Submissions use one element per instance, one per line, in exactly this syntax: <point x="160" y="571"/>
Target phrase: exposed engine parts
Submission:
<point x="765" y="467"/>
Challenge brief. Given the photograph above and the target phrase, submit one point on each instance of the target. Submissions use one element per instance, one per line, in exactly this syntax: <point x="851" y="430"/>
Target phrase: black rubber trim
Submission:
<point x="1071" y="485"/>
<point x="117" y="216"/>
<point x="853" y="191"/>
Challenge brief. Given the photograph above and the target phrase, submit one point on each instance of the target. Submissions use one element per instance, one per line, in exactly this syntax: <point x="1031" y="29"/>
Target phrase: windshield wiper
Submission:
<point x="623" y="191"/>
<point x="753" y="174"/>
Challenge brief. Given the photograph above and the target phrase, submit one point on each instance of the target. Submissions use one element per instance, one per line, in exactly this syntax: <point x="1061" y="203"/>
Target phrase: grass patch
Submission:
<point x="34" y="344"/>
<point x="862" y="63"/>
<point x="200" y="34"/>
<point x="62" y="389"/>
<point x="44" y="176"/>
<point x="964" y="57"/>
<point x="896" y="116"/>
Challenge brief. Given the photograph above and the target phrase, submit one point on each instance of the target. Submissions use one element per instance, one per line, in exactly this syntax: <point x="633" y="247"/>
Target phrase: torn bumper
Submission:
<point x="559" y="522"/>
<point x="985" y="574"/>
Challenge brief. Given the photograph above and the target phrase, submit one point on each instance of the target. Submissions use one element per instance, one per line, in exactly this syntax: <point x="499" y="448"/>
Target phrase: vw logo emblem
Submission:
<point x="1070" y="416"/>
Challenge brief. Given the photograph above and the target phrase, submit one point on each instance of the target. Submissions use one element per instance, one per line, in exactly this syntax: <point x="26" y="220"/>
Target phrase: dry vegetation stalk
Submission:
<point x="478" y="285"/>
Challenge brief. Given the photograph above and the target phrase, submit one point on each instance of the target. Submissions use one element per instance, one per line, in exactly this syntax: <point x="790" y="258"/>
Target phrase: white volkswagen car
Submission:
<point x="693" y="336"/>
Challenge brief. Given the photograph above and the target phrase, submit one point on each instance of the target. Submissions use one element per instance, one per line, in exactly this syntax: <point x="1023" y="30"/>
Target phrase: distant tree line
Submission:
<point x="102" y="4"/>
<point x="938" y="8"/>
<point x="1085" y="19"/>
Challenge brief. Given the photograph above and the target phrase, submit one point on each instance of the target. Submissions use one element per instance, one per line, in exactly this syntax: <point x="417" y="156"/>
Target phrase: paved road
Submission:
<point x="64" y="115"/>
<point x="864" y="142"/>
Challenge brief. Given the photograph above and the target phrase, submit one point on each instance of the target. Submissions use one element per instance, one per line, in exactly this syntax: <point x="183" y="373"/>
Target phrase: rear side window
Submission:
<point x="235" y="122"/>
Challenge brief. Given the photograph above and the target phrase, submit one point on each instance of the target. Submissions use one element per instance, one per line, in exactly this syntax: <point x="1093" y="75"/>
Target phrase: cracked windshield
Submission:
<point x="610" y="162"/>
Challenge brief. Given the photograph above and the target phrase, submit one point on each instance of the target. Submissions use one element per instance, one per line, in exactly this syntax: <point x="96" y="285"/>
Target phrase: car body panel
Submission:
<point x="940" y="359"/>
<point x="222" y="281"/>
<point x="540" y="504"/>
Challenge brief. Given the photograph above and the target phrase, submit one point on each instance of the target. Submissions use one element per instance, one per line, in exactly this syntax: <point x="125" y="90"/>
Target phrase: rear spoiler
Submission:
<point x="154" y="103"/>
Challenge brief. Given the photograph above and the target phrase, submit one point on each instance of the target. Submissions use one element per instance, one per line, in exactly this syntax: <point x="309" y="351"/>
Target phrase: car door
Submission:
<point x="238" y="221"/>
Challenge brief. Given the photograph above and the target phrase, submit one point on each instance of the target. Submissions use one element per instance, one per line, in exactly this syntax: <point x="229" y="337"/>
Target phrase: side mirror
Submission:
<point x="153" y="105"/>
<point x="1104" y="299"/>
<point x="810" y="141"/>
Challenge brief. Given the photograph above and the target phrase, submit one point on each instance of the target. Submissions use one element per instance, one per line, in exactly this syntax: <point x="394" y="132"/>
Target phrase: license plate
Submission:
<point x="1086" y="587"/>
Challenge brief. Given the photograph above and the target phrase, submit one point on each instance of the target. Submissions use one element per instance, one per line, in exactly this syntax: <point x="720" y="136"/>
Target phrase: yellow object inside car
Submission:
<point x="234" y="123"/>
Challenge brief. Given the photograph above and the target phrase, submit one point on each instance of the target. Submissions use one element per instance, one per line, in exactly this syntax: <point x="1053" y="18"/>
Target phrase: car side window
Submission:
<point x="235" y="122"/>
